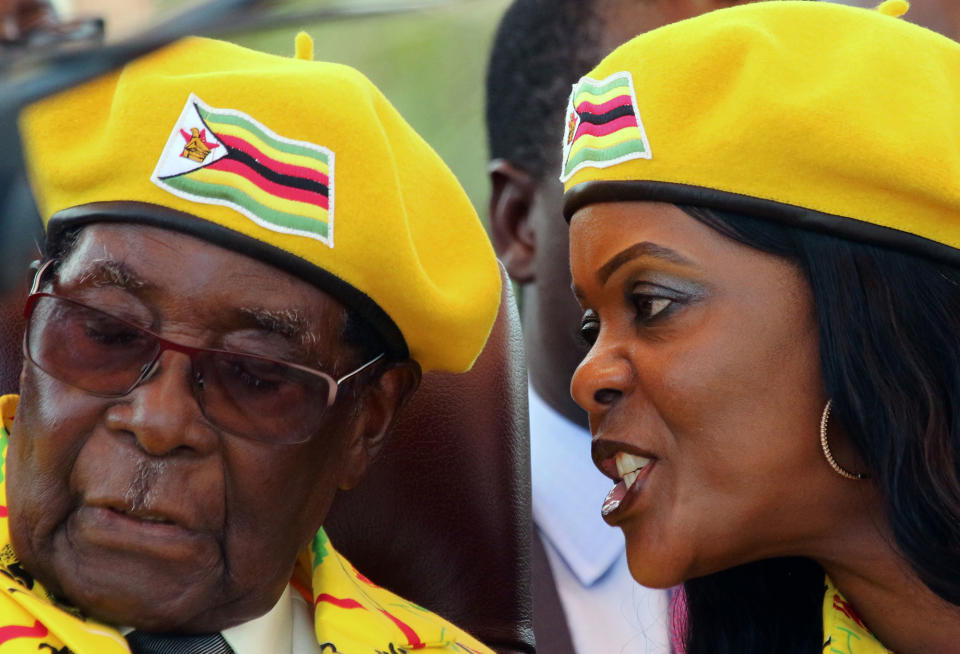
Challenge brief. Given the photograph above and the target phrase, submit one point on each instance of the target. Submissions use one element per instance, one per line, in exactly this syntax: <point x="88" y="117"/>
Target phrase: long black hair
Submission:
<point x="889" y="326"/>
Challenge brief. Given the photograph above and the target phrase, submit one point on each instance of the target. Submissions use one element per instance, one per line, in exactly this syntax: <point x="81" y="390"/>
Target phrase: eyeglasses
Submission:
<point x="245" y="394"/>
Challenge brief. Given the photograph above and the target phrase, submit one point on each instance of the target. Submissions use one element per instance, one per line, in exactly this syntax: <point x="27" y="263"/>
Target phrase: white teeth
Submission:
<point x="630" y="477"/>
<point x="630" y="463"/>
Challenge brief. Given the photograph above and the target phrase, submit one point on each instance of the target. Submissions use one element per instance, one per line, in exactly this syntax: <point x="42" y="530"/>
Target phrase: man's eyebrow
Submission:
<point x="110" y="272"/>
<point x="288" y="323"/>
<point x="635" y="251"/>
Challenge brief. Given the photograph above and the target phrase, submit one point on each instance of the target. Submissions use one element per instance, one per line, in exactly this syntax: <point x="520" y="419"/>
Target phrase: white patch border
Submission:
<point x="194" y="99"/>
<point x="647" y="151"/>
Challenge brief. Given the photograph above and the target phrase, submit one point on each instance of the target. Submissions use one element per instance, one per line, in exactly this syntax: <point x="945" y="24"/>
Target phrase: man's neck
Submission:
<point x="553" y="353"/>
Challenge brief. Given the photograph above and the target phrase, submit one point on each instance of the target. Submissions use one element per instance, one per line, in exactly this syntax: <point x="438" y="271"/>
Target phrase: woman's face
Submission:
<point x="703" y="375"/>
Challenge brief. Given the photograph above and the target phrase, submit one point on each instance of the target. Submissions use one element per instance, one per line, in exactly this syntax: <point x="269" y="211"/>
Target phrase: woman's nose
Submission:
<point x="601" y="379"/>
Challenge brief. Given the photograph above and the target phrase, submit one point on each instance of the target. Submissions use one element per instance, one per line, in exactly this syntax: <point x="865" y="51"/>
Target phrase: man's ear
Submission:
<point x="376" y="411"/>
<point x="511" y="199"/>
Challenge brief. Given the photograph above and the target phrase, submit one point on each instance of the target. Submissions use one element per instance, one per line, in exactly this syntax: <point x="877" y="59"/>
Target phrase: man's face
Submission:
<point x="137" y="509"/>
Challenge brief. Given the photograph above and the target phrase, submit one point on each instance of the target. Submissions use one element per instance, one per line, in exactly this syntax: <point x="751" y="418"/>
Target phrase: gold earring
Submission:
<point x="825" y="446"/>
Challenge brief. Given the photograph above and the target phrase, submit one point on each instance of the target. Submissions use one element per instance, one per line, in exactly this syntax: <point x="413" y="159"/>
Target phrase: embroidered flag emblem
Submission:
<point x="604" y="126"/>
<point x="225" y="157"/>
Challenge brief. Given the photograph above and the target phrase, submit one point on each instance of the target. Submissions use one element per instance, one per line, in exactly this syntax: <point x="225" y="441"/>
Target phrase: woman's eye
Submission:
<point x="589" y="328"/>
<point x="649" y="306"/>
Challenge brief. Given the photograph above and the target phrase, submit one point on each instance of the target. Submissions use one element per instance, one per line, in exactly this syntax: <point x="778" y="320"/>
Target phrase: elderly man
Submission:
<point x="249" y="261"/>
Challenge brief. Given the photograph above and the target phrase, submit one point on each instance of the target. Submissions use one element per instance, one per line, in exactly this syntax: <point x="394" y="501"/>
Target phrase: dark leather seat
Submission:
<point x="11" y="336"/>
<point x="443" y="516"/>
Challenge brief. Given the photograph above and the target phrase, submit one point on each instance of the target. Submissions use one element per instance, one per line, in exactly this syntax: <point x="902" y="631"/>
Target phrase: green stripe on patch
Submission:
<point x="235" y="196"/>
<point x="598" y="88"/>
<point x="212" y="117"/>
<point x="605" y="154"/>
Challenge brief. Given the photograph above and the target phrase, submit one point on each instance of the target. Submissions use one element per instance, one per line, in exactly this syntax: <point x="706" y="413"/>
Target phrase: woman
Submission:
<point x="765" y="240"/>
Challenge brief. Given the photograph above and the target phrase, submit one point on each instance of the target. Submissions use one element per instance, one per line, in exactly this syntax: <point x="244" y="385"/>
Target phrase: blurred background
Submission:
<point x="427" y="56"/>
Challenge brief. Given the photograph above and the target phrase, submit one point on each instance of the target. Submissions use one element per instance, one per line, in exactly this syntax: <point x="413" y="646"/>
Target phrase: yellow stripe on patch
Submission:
<point x="255" y="141"/>
<point x="266" y="199"/>
<point x="601" y="142"/>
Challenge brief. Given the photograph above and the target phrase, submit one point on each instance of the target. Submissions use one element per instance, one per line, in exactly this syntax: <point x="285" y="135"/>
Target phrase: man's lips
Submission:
<point x="144" y="512"/>
<point x="145" y="534"/>
<point x="112" y="523"/>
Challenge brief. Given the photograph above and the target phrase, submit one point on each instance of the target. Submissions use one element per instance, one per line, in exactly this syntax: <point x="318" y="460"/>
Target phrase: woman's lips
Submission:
<point x="632" y="472"/>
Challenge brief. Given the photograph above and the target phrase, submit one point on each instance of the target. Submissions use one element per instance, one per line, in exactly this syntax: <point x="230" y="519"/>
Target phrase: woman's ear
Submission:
<point x="375" y="412"/>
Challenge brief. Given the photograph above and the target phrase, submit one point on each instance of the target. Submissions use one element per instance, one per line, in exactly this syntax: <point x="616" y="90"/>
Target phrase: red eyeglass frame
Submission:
<point x="165" y="344"/>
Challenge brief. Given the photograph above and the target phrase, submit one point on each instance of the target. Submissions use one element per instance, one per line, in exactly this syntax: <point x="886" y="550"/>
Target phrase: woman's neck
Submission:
<point x="905" y="615"/>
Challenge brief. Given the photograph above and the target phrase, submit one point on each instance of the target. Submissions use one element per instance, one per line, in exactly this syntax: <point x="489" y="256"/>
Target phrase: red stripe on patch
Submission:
<point x="3" y="512"/>
<point x="613" y="103"/>
<point x="412" y="638"/>
<point x="343" y="603"/>
<point x="606" y="128"/>
<point x="12" y="632"/>
<point x="284" y="168"/>
<point x="286" y="192"/>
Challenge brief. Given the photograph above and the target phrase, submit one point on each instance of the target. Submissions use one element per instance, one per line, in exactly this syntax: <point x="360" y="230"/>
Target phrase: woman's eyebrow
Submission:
<point x="642" y="249"/>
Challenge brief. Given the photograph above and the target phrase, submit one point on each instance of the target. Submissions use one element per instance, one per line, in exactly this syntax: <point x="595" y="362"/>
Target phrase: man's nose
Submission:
<point x="163" y="413"/>
<point x="602" y="378"/>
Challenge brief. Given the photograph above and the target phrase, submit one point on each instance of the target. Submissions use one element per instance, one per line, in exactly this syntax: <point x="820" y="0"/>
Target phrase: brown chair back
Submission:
<point x="11" y="339"/>
<point x="443" y="516"/>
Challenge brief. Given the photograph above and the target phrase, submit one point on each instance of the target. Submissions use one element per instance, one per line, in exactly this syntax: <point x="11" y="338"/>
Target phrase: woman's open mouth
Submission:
<point x="632" y="471"/>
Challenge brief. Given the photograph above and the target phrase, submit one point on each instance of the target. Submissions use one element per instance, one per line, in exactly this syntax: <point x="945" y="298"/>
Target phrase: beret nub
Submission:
<point x="820" y="115"/>
<point x="302" y="164"/>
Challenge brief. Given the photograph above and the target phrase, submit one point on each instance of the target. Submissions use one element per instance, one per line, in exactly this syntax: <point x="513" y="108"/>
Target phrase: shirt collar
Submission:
<point x="271" y="632"/>
<point x="567" y="493"/>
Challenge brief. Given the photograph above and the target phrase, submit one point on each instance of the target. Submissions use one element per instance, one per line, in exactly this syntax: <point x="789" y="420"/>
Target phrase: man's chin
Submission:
<point x="128" y="590"/>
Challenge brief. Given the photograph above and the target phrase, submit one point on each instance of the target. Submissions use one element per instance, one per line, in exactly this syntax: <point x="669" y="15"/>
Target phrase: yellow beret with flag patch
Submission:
<point x="302" y="164"/>
<point x="823" y="116"/>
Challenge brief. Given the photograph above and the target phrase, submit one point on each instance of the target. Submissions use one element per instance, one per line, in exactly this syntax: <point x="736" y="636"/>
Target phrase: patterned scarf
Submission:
<point x="351" y="613"/>
<point x="843" y="630"/>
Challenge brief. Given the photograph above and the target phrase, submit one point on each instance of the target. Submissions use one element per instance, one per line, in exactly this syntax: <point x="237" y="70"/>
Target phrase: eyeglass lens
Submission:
<point x="245" y="395"/>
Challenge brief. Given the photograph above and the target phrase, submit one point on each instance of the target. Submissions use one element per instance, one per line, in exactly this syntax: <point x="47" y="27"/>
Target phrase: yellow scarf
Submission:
<point x="351" y="613"/>
<point x="843" y="630"/>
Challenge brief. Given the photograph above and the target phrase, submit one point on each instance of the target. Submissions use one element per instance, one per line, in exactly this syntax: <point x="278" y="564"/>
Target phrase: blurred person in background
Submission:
<point x="765" y="244"/>
<point x="584" y="597"/>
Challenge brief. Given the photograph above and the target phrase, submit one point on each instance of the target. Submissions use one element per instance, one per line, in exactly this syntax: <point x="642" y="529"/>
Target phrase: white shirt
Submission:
<point x="287" y="628"/>
<point x="606" y="610"/>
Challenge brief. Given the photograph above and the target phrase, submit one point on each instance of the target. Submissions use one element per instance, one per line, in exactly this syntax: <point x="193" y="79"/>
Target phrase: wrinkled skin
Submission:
<point x="84" y="471"/>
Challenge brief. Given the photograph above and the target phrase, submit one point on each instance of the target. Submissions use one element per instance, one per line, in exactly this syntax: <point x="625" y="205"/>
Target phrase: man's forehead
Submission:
<point x="152" y="262"/>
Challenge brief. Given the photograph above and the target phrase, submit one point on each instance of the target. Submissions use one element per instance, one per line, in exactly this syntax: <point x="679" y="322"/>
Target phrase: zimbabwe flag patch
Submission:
<point x="225" y="157"/>
<point x="603" y="125"/>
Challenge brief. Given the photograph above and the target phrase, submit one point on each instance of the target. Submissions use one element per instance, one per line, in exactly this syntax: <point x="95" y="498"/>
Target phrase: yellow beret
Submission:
<point x="823" y="116"/>
<point x="302" y="164"/>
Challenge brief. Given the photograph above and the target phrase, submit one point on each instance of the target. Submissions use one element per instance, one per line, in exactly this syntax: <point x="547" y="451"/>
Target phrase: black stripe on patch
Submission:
<point x="279" y="178"/>
<point x="600" y="119"/>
